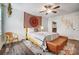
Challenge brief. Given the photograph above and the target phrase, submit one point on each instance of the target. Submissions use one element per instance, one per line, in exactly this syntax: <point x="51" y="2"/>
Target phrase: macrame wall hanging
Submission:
<point x="9" y="9"/>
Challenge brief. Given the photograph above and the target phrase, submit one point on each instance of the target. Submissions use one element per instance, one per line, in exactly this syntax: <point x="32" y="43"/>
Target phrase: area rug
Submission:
<point x="18" y="48"/>
<point x="69" y="49"/>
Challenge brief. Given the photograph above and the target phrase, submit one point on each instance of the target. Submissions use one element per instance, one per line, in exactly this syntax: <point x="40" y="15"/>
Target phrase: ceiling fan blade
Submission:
<point x="54" y="11"/>
<point x="56" y="7"/>
<point x="42" y="11"/>
<point x="47" y="6"/>
<point x="46" y="13"/>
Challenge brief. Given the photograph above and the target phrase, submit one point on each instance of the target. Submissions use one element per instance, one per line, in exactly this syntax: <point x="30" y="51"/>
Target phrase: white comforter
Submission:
<point x="41" y="36"/>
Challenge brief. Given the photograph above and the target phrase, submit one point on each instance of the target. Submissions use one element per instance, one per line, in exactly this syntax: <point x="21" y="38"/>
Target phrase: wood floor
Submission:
<point x="19" y="48"/>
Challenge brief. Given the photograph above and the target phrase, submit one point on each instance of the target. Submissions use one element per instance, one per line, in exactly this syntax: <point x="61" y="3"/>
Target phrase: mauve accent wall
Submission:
<point x="32" y="21"/>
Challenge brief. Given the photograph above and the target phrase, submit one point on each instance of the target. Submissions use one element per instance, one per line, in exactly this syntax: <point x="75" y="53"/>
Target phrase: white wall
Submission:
<point x="0" y="28"/>
<point x="14" y="23"/>
<point x="64" y="25"/>
<point x="0" y="18"/>
<point x="45" y="23"/>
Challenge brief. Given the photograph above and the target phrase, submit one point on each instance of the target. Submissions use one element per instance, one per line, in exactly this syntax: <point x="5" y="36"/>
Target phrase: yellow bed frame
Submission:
<point x="33" y="40"/>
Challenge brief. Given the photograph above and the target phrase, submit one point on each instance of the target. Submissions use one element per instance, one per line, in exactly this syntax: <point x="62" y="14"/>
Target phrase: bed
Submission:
<point x="39" y="38"/>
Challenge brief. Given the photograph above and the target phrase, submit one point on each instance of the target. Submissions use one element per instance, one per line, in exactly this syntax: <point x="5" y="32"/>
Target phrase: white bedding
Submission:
<point x="42" y="36"/>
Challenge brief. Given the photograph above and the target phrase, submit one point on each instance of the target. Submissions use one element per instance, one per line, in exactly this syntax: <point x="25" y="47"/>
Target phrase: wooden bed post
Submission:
<point x="25" y="30"/>
<point x="26" y="33"/>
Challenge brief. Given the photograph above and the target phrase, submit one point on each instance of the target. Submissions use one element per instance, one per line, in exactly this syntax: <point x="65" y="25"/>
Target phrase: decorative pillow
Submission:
<point x="30" y="29"/>
<point x="36" y="29"/>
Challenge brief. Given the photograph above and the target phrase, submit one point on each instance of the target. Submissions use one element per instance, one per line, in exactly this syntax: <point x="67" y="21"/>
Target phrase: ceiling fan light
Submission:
<point x="42" y="8"/>
<point x="48" y="11"/>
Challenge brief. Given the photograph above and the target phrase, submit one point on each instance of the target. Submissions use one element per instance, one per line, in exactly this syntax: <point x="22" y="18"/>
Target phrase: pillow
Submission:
<point x="37" y="29"/>
<point x="30" y="29"/>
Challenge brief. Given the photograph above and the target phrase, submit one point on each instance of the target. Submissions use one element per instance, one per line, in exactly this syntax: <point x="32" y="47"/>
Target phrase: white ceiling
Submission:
<point x="34" y="8"/>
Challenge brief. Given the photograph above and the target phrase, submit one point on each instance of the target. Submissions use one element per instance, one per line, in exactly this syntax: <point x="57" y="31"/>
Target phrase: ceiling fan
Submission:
<point x="50" y="8"/>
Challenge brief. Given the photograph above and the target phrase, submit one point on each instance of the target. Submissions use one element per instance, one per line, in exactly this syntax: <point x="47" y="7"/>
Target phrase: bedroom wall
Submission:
<point x="14" y="23"/>
<point x="45" y="23"/>
<point x="0" y="19"/>
<point x="67" y="25"/>
<point x="0" y="27"/>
